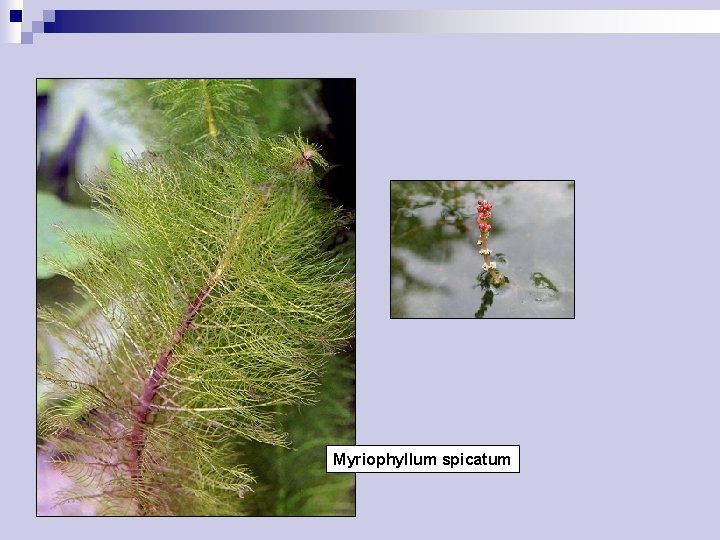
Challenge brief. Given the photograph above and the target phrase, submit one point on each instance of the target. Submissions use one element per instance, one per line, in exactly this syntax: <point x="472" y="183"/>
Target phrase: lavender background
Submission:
<point x="615" y="411"/>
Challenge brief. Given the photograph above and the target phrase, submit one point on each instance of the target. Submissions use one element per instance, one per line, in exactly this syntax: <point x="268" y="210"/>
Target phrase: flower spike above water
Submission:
<point x="484" y="210"/>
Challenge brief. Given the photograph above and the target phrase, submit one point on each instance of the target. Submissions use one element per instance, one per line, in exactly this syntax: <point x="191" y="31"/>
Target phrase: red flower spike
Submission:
<point x="484" y="210"/>
<point x="484" y="213"/>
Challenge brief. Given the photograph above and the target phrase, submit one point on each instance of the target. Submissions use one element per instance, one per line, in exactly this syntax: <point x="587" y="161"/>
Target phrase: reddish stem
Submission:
<point x="152" y="384"/>
<point x="159" y="371"/>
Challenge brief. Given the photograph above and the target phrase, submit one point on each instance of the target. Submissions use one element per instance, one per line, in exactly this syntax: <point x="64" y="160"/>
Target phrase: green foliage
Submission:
<point x="234" y="231"/>
<point x="196" y="110"/>
<point x="290" y="482"/>
<point x="54" y="217"/>
<point x="178" y="113"/>
<point x="43" y="86"/>
<point x="286" y="105"/>
<point x="186" y="114"/>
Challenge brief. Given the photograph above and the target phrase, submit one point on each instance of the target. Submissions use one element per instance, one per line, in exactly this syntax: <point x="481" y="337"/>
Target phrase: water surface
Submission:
<point x="436" y="270"/>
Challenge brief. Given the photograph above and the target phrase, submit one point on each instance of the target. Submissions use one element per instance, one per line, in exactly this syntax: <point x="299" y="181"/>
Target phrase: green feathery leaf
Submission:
<point x="218" y="302"/>
<point x="199" y="110"/>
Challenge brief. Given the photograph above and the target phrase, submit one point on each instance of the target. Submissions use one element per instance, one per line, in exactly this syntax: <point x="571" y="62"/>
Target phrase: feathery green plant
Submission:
<point x="200" y="109"/>
<point x="219" y="304"/>
<point x="188" y="113"/>
<point x="292" y="481"/>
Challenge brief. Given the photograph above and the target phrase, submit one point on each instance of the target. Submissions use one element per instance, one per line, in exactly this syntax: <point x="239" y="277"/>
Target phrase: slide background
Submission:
<point x="615" y="411"/>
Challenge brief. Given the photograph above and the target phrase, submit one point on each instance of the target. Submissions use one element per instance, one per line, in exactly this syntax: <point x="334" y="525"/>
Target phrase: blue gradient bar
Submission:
<point x="233" y="21"/>
<point x="383" y="21"/>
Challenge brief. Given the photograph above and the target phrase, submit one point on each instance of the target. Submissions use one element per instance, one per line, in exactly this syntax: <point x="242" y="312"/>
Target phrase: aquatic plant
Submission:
<point x="218" y="303"/>
<point x="484" y="210"/>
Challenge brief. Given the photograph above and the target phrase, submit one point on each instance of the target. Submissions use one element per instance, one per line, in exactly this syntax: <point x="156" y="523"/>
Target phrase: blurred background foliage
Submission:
<point x="82" y="127"/>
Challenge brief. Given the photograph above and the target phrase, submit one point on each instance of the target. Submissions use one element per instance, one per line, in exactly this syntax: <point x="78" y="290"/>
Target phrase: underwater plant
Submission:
<point x="218" y="303"/>
<point x="484" y="210"/>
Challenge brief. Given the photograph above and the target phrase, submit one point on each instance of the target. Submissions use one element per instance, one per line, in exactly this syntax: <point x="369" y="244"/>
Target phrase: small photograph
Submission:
<point x="463" y="249"/>
<point x="195" y="296"/>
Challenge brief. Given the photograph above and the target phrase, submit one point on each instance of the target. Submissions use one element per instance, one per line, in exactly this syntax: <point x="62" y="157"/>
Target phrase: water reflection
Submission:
<point x="487" y="301"/>
<point x="486" y="283"/>
<point x="429" y="239"/>
<point x="437" y="272"/>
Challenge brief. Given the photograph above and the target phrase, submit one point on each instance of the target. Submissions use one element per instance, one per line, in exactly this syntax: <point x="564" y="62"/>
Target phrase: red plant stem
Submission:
<point x="150" y="387"/>
<point x="159" y="370"/>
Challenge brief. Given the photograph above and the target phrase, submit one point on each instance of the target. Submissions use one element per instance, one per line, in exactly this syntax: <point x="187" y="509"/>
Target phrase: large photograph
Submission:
<point x="196" y="296"/>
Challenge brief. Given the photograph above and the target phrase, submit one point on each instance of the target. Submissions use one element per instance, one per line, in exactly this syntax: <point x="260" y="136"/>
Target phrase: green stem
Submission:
<point x="209" y="111"/>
